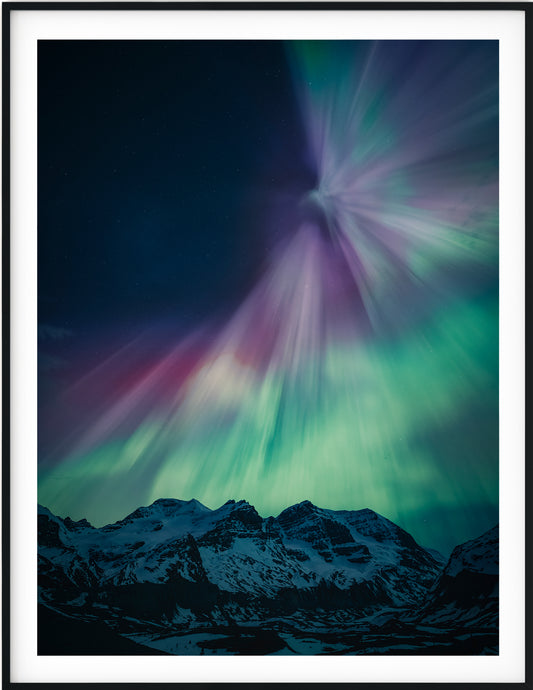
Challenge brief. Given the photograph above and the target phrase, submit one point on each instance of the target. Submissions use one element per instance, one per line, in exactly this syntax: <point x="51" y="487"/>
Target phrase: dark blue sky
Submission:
<point x="155" y="161"/>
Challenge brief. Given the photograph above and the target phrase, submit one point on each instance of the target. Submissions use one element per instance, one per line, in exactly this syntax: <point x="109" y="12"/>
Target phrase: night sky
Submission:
<point x="151" y="155"/>
<point x="270" y="271"/>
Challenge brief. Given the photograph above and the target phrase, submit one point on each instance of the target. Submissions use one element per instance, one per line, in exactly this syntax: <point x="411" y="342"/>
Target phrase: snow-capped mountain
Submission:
<point x="239" y="551"/>
<point x="468" y="588"/>
<point x="176" y="564"/>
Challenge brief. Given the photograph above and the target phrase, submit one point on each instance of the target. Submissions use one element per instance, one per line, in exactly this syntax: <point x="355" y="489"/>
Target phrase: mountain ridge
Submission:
<point x="231" y="564"/>
<point x="167" y="503"/>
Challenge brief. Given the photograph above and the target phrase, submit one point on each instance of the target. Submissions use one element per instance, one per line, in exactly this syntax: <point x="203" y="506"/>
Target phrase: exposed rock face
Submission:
<point x="468" y="588"/>
<point x="239" y="551"/>
<point x="177" y="563"/>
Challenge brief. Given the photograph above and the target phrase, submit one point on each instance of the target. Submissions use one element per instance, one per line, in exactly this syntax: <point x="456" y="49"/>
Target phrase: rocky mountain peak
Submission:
<point x="175" y="561"/>
<point x="479" y="555"/>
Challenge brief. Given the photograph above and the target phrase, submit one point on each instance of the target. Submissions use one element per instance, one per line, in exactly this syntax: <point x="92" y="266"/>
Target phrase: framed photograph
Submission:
<point x="264" y="364"/>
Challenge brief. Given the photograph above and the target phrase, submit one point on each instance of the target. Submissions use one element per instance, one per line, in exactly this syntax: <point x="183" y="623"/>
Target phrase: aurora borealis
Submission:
<point x="270" y="271"/>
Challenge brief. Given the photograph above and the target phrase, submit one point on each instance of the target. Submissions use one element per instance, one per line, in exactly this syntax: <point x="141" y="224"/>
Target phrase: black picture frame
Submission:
<point x="9" y="382"/>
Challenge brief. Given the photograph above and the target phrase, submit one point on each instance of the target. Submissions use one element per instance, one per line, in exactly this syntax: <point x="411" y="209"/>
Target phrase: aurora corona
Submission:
<point x="360" y="368"/>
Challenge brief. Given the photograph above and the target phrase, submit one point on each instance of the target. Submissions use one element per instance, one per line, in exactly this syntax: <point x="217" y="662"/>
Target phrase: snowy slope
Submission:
<point x="176" y="575"/>
<point x="468" y="588"/>
<point x="479" y="555"/>
<point x="236" y="549"/>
